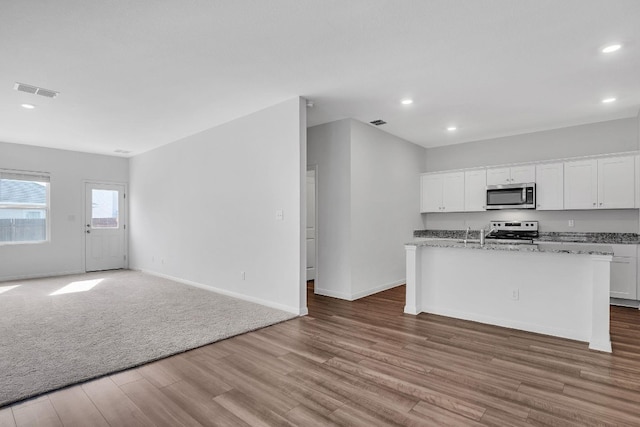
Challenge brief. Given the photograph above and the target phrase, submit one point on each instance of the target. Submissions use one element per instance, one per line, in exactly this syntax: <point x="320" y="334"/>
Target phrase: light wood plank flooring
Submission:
<point x="365" y="363"/>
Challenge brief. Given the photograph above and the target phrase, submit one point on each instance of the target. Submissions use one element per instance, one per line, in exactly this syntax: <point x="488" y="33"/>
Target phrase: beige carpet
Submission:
<point x="63" y="330"/>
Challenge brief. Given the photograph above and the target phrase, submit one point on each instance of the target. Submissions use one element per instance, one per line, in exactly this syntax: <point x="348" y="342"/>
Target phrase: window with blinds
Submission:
<point x="24" y="206"/>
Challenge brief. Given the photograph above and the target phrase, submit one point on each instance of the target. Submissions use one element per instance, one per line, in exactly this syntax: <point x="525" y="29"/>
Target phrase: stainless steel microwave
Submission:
<point x="511" y="196"/>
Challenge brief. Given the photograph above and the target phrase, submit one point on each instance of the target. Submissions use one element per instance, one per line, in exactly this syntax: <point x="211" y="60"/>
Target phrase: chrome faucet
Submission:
<point x="466" y="236"/>
<point x="482" y="235"/>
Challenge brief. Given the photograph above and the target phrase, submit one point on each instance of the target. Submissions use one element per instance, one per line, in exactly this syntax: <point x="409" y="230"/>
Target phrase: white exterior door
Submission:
<point x="311" y="225"/>
<point x="105" y="227"/>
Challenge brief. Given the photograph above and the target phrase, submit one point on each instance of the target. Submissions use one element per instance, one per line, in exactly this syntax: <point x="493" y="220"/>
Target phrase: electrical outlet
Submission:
<point x="571" y="223"/>
<point x="279" y="215"/>
<point x="515" y="294"/>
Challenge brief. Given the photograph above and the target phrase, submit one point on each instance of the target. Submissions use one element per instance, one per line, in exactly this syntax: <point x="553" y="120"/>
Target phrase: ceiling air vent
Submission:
<point x="21" y="87"/>
<point x="378" y="122"/>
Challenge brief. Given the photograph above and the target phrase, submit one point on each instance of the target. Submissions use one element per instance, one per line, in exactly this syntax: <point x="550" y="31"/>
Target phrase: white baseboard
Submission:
<point x="377" y="289"/>
<point x="358" y="295"/>
<point x="509" y="323"/>
<point x="294" y="310"/>
<point x="332" y="294"/>
<point x="41" y="275"/>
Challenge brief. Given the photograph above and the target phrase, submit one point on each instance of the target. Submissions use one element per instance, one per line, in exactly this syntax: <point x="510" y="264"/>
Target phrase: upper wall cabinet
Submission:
<point x="581" y="184"/>
<point x="637" y="180"/>
<point x="550" y="186"/>
<point x="475" y="185"/>
<point x="616" y="182"/>
<point x="511" y="175"/>
<point x="606" y="183"/>
<point x="442" y="192"/>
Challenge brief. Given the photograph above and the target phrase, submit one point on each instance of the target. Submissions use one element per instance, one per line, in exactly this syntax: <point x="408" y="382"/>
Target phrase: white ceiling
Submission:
<point x="137" y="75"/>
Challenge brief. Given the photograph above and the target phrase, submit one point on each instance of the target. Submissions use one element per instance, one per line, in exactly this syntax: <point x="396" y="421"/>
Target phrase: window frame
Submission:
<point x="30" y="176"/>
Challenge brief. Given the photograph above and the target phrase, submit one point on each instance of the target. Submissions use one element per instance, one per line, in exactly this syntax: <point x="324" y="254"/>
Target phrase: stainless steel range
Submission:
<point x="512" y="232"/>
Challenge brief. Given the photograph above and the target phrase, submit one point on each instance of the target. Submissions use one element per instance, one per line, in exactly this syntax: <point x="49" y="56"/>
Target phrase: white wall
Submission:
<point x="367" y="206"/>
<point x="64" y="253"/>
<point x="596" y="138"/>
<point x="613" y="136"/>
<point x="384" y="206"/>
<point x="203" y="209"/>
<point x="329" y="148"/>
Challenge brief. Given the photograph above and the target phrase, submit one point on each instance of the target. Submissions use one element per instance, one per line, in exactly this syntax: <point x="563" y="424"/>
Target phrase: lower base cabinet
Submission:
<point x="624" y="271"/>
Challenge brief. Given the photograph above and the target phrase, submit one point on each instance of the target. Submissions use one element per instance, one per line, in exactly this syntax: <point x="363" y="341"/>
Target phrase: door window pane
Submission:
<point x="104" y="209"/>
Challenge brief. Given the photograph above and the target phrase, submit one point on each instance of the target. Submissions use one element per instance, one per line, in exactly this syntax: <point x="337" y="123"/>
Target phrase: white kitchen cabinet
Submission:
<point x="616" y="182"/>
<point x="624" y="272"/>
<point x="606" y="183"/>
<point x="581" y="184"/>
<point x="431" y="193"/>
<point x="497" y="176"/>
<point x="475" y="190"/>
<point x="442" y="192"/>
<point x="624" y="281"/>
<point x="550" y="186"/>
<point x="637" y="180"/>
<point x="511" y="175"/>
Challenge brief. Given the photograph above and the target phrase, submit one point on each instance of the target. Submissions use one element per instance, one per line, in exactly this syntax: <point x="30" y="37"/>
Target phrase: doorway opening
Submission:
<point x="311" y="233"/>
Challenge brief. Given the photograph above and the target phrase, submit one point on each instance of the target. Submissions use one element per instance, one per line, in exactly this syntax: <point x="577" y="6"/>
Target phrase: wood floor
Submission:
<point x="366" y="363"/>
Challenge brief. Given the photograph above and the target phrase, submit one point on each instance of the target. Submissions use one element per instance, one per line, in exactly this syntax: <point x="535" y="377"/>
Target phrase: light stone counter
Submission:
<point x="574" y="249"/>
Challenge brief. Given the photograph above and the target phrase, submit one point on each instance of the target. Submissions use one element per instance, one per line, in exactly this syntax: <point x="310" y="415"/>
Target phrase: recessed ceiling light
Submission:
<point x="452" y="128"/>
<point x="28" y="106"/>
<point x="611" y="48"/>
<point x="608" y="100"/>
<point x="407" y="101"/>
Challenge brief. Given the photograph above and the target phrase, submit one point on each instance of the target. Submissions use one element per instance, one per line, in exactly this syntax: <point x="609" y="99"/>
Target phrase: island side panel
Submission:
<point x="553" y="292"/>
<point x="600" y="324"/>
<point x="413" y="291"/>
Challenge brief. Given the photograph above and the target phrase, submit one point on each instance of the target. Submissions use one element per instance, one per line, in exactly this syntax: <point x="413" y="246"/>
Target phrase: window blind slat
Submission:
<point x="25" y="176"/>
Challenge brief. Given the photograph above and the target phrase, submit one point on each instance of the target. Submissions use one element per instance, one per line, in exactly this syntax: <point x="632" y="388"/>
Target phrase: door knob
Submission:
<point x="88" y="231"/>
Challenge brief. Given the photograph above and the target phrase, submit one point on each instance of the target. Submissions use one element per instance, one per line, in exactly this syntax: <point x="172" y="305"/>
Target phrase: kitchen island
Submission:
<point x="543" y="288"/>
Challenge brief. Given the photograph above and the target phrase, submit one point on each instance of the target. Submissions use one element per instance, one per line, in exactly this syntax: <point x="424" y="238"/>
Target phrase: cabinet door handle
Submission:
<point x="594" y="203"/>
<point x="600" y="203"/>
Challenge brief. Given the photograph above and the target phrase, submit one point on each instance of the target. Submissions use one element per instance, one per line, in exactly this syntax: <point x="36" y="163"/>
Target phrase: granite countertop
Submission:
<point x="551" y="236"/>
<point x="605" y="238"/>
<point x="539" y="247"/>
